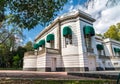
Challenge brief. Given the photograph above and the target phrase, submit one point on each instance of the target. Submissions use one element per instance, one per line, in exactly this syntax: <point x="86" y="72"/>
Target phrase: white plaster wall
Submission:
<point x="29" y="61"/>
<point x="49" y="60"/>
<point x="69" y="50"/>
<point x="94" y="43"/>
<point x="81" y="42"/>
<point x="41" y="61"/>
<point x="100" y="63"/>
<point x="70" y="55"/>
<point x="110" y="63"/>
<point x="107" y="49"/>
<point x="51" y="31"/>
<point x="72" y="25"/>
<point x="70" y="60"/>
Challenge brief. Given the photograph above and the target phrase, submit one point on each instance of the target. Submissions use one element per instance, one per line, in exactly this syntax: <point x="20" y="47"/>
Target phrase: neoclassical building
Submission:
<point x="69" y="44"/>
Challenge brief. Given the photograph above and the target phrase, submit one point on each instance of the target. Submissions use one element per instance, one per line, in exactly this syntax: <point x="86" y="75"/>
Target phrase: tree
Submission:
<point x="118" y="25"/>
<point x="16" y="62"/>
<point x="99" y="35"/>
<point x="3" y="55"/>
<point x="113" y="32"/>
<point x="8" y="45"/>
<point x="29" y="46"/>
<point x="20" y="51"/>
<point x="29" y="13"/>
<point x="6" y="34"/>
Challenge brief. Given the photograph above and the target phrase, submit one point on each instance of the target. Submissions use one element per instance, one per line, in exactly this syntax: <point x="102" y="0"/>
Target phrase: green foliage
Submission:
<point x="20" y="51"/>
<point x="118" y="25"/>
<point x="4" y="56"/>
<point x="9" y="58"/>
<point x="29" y="13"/>
<point x="113" y="32"/>
<point x="16" y="60"/>
<point x="8" y="36"/>
<point x="99" y="35"/>
<point x="29" y="46"/>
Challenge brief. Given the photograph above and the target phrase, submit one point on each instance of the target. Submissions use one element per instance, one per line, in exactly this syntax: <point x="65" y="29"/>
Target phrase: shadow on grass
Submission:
<point x="32" y="81"/>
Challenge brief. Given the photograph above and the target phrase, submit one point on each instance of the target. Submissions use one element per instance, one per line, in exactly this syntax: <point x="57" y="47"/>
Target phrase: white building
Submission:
<point x="69" y="44"/>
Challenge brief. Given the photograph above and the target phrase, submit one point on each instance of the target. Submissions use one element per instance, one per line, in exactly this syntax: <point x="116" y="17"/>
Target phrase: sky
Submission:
<point x="105" y="16"/>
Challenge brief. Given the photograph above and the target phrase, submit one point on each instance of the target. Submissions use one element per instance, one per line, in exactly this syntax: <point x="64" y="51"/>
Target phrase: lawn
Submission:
<point x="36" y="81"/>
<point x="10" y="68"/>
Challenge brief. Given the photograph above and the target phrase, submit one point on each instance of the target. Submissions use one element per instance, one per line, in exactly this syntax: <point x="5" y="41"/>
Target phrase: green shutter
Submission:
<point x="67" y="31"/>
<point x="100" y="47"/>
<point x="36" y="46"/>
<point x="41" y="43"/>
<point x="89" y="30"/>
<point x="116" y="50"/>
<point x="50" y="37"/>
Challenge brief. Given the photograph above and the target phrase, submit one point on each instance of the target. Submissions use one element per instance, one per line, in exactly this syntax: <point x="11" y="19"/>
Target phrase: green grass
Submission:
<point x="33" y="81"/>
<point x="10" y="68"/>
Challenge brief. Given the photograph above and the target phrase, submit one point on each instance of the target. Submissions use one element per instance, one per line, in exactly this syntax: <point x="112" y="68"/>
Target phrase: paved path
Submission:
<point x="97" y="74"/>
<point x="39" y="75"/>
<point x="101" y="72"/>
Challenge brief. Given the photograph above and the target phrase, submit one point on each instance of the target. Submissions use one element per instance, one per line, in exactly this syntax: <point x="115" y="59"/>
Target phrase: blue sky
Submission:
<point x="105" y="16"/>
<point x="31" y="34"/>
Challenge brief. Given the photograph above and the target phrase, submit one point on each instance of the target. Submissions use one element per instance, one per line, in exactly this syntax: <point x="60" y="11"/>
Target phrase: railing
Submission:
<point x="108" y="57"/>
<point x="48" y="50"/>
<point x="29" y="53"/>
<point x="115" y="57"/>
<point x="41" y="51"/>
<point x="90" y="50"/>
<point x="52" y="51"/>
<point x="104" y="57"/>
<point x="44" y="50"/>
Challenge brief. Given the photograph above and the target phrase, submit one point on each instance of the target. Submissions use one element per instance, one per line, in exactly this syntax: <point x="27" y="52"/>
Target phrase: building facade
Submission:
<point x="69" y="44"/>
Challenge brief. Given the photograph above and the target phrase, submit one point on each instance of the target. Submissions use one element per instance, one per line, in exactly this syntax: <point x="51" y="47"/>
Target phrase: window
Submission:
<point x="117" y="51"/>
<point x="88" y="41"/>
<point x="100" y="49"/>
<point x="52" y="44"/>
<point x="88" y="33"/>
<point x="41" y="44"/>
<point x="50" y="40"/>
<point x="116" y="63"/>
<point x="67" y="34"/>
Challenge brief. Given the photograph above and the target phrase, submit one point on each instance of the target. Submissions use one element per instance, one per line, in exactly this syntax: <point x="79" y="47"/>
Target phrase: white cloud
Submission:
<point x="71" y="8"/>
<point x="108" y="17"/>
<point x="105" y="16"/>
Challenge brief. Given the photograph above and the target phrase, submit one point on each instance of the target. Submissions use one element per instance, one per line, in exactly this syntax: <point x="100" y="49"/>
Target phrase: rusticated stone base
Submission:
<point x="44" y="69"/>
<point x="99" y="69"/>
<point x="112" y="68"/>
<point x="58" y="69"/>
<point x="72" y="69"/>
<point x="29" y="69"/>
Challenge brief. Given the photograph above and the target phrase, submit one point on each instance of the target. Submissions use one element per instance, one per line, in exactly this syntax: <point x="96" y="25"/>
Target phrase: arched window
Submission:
<point x="50" y="39"/>
<point x="117" y="51"/>
<point x="67" y="34"/>
<point x="41" y="43"/>
<point x="36" y="46"/>
<point x="88" y="32"/>
<point x="100" y="49"/>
